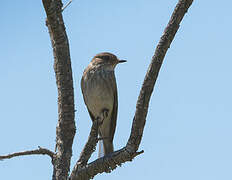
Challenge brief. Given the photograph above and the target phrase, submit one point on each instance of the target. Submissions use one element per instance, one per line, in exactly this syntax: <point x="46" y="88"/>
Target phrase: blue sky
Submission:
<point x="188" y="130"/>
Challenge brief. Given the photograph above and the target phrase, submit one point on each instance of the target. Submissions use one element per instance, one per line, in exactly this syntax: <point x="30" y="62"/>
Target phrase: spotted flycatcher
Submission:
<point x="99" y="90"/>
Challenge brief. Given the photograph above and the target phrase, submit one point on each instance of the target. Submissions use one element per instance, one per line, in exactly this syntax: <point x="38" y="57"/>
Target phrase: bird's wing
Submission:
<point x="82" y="89"/>
<point x="114" y="112"/>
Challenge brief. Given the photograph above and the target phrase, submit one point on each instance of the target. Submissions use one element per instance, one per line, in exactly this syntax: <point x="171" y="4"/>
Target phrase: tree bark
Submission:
<point x="65" y="129"/>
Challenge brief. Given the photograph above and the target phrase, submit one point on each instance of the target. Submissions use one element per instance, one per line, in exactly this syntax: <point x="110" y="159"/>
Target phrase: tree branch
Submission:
<point x="110" y="162"/>
<point x="152" y="73"/>
<point x="39" y="151"/>
<point x="65" y="130"/>
<point x="103" y="164"/>
<point x="90" y="146"/>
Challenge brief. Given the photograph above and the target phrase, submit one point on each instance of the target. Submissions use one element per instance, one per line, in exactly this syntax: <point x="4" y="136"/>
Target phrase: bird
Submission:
<point x="99" y="89"/>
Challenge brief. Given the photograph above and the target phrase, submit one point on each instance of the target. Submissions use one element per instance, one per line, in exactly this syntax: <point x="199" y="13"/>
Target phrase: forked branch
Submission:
<point x="65" y="130"/>
<point x="110" y="162"/>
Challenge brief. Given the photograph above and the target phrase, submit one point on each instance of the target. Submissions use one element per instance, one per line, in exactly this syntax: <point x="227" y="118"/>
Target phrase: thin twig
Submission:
<point x="39" y="151"/>
<point x="66" y="6"/>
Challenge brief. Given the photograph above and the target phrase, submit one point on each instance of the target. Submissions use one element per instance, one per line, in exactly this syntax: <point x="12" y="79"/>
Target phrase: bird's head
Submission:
<point x="106" y="59"/>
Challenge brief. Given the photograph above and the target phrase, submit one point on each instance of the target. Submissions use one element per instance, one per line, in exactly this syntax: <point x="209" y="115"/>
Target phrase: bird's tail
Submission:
<point x="105" y="147"/>
<point x="101" y="149"/>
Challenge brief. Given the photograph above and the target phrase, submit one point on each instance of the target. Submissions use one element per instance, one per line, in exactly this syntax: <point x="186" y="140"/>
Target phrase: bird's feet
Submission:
<point x="104" y="114"/>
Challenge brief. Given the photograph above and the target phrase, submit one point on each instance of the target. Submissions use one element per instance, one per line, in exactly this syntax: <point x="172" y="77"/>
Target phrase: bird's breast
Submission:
<point x="98" y="91"/>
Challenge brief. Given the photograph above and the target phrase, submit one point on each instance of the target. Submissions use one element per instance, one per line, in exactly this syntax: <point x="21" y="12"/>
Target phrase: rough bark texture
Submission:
<point x="110" y="162"/>
<point x="104" y="164"/>
<point x="65" y="129"/>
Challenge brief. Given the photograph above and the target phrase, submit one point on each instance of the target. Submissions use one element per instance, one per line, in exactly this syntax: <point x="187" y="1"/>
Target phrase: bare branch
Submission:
<point x="152" y="73"/>
<point x="89" y="148"/>
<point x="110" y="162"/>
<point x="103" y="164"/>
<point x="39" y="151"/>
<point x="65" y="130"/>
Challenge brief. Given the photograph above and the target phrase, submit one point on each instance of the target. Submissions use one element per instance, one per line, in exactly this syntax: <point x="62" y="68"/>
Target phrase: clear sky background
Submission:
<point x="189" y="124"/>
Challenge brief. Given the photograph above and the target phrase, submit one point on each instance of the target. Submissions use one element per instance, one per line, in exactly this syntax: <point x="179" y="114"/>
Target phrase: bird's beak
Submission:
<point x="121" y="61"/>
